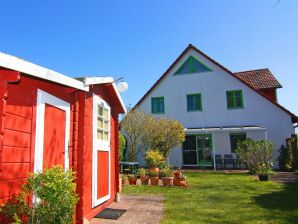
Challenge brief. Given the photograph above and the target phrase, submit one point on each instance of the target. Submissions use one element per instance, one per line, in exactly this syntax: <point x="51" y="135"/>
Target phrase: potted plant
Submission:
<point x="179" y="179"/>
<point x="132" y="179"/>
<point x="166" y="175"/>
<point x="263" y="171"/>
<point x="143" y="175"/>
<point x="154" y="177"/>
<point x="124" y="179"/>
<point x="154" y="160"/>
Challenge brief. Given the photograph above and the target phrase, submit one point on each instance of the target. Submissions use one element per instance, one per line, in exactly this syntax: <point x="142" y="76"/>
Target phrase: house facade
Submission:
<point x="48" y="119"/>
<point x="217" y="107"/>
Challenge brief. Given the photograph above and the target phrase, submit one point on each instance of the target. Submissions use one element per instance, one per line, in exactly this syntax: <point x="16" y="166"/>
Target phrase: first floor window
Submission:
<point x="194" y="102"/>
<point x="157" y="105"/>
<point x="234" y="99"/>
<point x="235" y="138"/>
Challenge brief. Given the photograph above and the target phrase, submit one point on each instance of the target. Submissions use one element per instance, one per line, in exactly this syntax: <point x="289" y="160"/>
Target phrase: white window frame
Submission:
<point x="42" y="99"/>
<point x="100" y="145"/>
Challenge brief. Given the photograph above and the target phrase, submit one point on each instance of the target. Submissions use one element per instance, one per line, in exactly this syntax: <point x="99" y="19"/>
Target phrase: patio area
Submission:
<point x="140" y="209"/>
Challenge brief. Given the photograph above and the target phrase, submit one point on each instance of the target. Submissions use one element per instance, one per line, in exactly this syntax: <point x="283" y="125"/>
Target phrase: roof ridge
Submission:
<point x="254" y="70"/>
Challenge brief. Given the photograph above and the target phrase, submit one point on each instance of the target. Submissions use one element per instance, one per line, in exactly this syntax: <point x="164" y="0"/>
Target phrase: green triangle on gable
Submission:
<point x="192" y="65"/>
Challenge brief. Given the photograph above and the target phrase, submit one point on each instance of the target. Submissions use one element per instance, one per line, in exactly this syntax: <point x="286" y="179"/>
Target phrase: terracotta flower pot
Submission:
<point x="144" y="180"/>
<point x="154" y="169"/>
<point x="154" y="180"/>
<point x="181" y="182"/>
<point x="167" y="181"/>
<point x="132" y="181"/>
<point x="263" y="177"/>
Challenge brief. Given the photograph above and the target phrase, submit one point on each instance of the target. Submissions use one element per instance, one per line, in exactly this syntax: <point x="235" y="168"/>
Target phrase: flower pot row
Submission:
<point x="167" y="176"/>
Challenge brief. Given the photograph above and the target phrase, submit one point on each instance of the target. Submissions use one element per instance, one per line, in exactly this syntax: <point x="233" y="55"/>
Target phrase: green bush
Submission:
<point x="154" y="158"/>
<point x="285" y="158"/>
<point x="258" y="155"/>
<point x="153" y="173"/>
<point x="122" y="147"/>
<point x="54" y="199"/>
<point x="296" y="172"/>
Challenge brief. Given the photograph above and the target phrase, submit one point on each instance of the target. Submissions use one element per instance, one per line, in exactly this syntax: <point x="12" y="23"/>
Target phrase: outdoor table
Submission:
<point x="132" y="166"/>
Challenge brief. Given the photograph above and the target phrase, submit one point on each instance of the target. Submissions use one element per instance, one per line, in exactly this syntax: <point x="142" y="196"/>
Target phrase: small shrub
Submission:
<point x="258" y="155"/>
<point x="166" y="172"/>
<point x="153" y="173"/>
<point x="154" y="158"/>
<point x="142" y="172"/>
<point x="55" y="199"/>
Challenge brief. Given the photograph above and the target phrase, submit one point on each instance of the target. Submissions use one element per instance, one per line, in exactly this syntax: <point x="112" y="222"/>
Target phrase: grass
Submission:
<point x="226" y="198"/>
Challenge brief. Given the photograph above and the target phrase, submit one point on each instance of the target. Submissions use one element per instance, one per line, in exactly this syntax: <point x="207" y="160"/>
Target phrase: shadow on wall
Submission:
<point x="281" y="202"/>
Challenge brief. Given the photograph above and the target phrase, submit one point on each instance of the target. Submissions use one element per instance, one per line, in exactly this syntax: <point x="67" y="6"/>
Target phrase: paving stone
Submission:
<point x="140" y="210"/>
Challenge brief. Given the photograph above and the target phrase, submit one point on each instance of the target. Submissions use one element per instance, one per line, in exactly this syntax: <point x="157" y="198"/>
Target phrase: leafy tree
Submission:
<point x="122" y="147"/>
<point x="134" y="126"/>
<point x="169" y="135"/>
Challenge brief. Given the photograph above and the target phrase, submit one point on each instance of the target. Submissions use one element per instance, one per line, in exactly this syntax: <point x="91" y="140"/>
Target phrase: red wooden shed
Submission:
<point x="47" y="118"/>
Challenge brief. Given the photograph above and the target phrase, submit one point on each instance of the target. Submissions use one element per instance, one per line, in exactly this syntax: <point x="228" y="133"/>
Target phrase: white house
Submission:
<point x="217" y="107"/>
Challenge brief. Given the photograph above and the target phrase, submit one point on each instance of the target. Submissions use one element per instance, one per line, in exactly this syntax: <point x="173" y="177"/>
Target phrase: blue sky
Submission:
<point x="140" y="39"/>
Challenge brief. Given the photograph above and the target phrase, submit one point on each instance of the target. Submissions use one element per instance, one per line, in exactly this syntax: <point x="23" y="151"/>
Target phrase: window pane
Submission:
<point x="105" y="113"/>
<point x="106" y="125"/>
<point x="190" y="102"/>
<point x="99" y="123"/>
<point x="99" y="110"/>
<point x="157" y="105"/>
<point x="239" y="101"/>
<point x="235" y="138"/>
<point x="198" y="102"/>
<point x="105" y="136"/>
<point x="99" y="135"/>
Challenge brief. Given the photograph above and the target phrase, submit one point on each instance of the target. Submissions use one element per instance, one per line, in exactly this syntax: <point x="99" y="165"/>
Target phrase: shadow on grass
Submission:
<point x="281" y="202"/>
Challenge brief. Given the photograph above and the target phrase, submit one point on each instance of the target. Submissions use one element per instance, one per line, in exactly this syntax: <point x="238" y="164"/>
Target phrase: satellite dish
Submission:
<point x="122" y="87"/>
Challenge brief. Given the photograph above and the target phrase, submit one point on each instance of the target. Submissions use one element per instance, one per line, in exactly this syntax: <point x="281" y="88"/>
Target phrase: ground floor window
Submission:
<point x="235" y="138"/>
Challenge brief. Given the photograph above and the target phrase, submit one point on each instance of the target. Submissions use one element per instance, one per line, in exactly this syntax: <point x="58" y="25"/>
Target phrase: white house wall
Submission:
<point x="213" y="86"/>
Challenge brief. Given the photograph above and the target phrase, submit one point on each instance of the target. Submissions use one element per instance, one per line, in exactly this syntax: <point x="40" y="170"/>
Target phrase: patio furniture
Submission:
<point x="229" y="160"/>
<point x="218" y="161"/>
<point x="128" y="167"/>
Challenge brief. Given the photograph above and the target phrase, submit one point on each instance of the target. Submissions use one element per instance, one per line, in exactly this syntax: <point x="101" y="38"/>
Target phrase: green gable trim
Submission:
<point x="194" y="102"/>
<point x="235" y="99"/>
<point x="158" y="105"/>
<point x="192" y="65"/>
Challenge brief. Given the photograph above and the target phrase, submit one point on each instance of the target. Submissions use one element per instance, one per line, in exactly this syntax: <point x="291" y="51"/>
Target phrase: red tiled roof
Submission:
<point x="259" y="79"/>
<point x="294" y="117"/>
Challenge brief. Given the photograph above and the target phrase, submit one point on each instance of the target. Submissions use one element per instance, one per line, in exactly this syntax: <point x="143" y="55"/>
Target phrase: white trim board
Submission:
<point x="99" y="146"/>
<point x="18" y="64"/>
<point x="42" y="99"/>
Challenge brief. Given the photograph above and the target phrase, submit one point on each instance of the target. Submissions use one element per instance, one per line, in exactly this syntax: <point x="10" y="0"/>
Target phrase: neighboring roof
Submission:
<point x="259" y="79"/>
<point x="190" y="46"/>
<point x="18" y="64"/>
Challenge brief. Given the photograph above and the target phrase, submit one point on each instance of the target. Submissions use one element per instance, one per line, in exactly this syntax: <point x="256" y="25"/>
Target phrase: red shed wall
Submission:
<point x="19" y="131"/>
<point x="86" y="138"/>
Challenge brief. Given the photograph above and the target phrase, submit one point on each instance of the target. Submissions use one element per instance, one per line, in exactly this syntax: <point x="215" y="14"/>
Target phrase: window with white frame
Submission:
<point x="102" y="123"/>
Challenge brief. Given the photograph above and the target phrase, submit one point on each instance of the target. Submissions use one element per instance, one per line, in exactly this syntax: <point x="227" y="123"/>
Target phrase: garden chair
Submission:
<point x="229" y="160"/>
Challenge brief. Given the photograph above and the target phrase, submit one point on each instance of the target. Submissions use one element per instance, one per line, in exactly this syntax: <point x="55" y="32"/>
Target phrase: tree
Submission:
<point x="134" y="126"/>
<point x="122" y="147"/>
<point x="169" y="135"/>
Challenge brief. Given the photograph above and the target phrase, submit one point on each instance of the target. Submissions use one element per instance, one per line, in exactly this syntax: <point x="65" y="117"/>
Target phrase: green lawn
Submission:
<point x="226" y="198"/>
